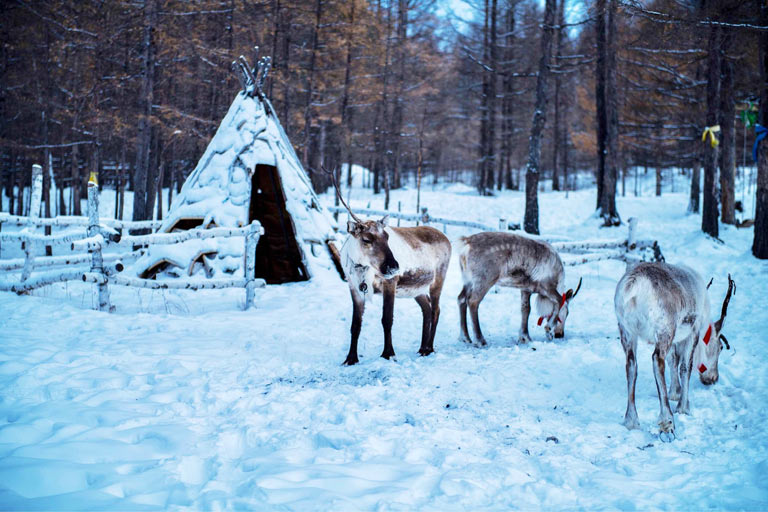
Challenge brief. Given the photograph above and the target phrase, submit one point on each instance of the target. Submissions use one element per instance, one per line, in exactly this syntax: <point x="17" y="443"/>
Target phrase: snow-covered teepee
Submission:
<point x="249" y="171"/>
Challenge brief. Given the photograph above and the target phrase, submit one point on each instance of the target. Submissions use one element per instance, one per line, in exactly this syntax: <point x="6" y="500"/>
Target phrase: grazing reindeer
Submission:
<point x="402" y="262"/>
<point x="513" y="260"/>
<point x="668" y="306"/>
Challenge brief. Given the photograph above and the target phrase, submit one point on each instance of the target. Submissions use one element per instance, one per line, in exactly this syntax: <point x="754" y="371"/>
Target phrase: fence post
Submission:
<point x="97" y="260"/>
<point x="399" y="209"/>
<point x="502" y="224"/>
<point x="251" y="240"/>
<point x="34" y="212"/>
<point x="632" y="235"/>
<point x="424" y="215"/>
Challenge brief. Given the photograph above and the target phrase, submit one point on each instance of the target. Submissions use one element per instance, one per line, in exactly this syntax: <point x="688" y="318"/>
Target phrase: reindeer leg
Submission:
<point x="434" y="296"/>
<point x="464" y="336"/>
<point x="426" y="327"/>
<point x="474" y="302"/>
<point x="525" y="311"/>
<point x="686" y="362"/>
<point x="666" y="420"/>
<point x="387" y="316"/>
<point x="630" y="350"/>
<point x="674" y="386"/>
<point x="358" y="308"/>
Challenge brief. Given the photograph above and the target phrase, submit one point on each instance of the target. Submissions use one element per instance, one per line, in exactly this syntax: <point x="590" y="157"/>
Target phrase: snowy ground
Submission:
<point x="181" y="400"/>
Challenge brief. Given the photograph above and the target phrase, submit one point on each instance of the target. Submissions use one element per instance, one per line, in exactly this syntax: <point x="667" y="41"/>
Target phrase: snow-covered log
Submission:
<point x="54" y="261"/>
<point x="42" y="279"/>
<point x="66" y="238"/>
<point x="587" y="245"/>
<point x="73" y="221"/>
<point x="176" y="284"/>
<point x="597" y="256"/>
<point x="182" y="236"/>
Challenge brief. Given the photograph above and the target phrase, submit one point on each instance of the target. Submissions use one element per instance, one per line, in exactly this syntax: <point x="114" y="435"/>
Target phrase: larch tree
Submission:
<point x="532" y="170"/>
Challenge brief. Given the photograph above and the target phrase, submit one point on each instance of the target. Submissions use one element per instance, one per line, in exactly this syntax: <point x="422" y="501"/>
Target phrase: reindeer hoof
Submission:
<point x="465" y="339"/>
<point x="388" y="356"/>
<point x="667" y="437"/>
<point x="550" y="337"/>
<point x="683" y="408"/>
<point x="631" y="423"/>
<point x="425" y="351"/>
<point x="482" y="343"/>
<point x="667" y="430"/>
<point x="523" y="338"/>
<point x="350" y="360"/>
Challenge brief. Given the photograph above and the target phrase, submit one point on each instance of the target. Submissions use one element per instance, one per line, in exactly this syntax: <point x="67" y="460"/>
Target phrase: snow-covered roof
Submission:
<point x="218" y="190"/>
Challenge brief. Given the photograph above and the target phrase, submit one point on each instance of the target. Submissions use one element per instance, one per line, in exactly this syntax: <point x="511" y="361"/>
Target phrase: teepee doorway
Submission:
<point x="278" y="258"/>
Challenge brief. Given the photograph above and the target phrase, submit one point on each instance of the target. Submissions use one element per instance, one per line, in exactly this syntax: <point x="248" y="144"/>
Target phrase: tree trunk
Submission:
<point x="659" y="176"/>
<point x="557" y="127"/>
<point x="600" y="76"/>
<point x="482" y="178"/>
<point x="709" y="217"/>
<point x="144" y="136"/>
<point x="397" y="113"/>
<point x="308" y="110"/>
<point x="74" y="182"/>
<point x="531" y="218"/>
<point x="607" y="204"/>
<point x="760" y="242"/>
<point x="507" y="124"/>
<point x="693" y="202"/>
<point x="346" y="112"/>
<point x="490" y="160"/>
<point x="728" y="142"/>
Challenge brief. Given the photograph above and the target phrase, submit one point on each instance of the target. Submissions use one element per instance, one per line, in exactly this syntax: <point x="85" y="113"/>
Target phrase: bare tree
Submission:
<point x="531" y="217"/>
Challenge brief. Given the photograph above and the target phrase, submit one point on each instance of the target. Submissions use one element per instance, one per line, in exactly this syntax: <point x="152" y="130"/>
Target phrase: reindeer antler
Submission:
<point x="723" y="312"/>
<point x="570" y="294"/>
<point x="338" y="193"/>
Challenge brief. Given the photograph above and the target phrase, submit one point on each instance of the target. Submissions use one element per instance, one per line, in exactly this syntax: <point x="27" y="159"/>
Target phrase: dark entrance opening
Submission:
<point x="278" y="258"/>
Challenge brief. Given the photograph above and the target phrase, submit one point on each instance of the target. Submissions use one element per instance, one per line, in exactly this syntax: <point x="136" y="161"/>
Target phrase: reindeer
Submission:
<point x="668" y="306"/>
<point x="396" y="262"/>
<point x="513" y="260"/>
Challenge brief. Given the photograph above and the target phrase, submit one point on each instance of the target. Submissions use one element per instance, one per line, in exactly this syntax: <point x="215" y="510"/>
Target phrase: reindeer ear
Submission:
<point x="384" y="221"/>
<point x="352" y="227"/>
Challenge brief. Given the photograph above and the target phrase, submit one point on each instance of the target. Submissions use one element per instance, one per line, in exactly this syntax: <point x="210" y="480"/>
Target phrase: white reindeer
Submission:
<point x="667" y="305"/>
<point x="513" y="260"/>
<point x="403" y="262"/>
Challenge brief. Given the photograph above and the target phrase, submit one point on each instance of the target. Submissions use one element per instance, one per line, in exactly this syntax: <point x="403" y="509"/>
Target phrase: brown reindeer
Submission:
<point x="513" y="260"/>
<point x="668" y="306"/>
<point x="396" y="262"/>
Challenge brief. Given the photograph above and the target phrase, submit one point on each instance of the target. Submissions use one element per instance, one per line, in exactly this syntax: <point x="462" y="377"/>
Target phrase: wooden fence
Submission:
<point x="629" y="250"/>
<point x="104" y="268"/>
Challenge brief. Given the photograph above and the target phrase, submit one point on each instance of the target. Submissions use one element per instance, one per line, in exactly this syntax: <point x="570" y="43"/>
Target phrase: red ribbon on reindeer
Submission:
<point x="562" y="303"/>
<point x="708" y="335"/>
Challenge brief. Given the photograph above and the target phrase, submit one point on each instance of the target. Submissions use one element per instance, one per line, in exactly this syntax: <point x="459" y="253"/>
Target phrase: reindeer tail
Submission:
<point x="461" y="246"/>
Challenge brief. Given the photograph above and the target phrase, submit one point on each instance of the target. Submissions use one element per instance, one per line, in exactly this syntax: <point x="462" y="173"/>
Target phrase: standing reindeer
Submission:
<point x="513" y="260"/>
<point x="668" y="306"/>
<point x="402" y="262"/>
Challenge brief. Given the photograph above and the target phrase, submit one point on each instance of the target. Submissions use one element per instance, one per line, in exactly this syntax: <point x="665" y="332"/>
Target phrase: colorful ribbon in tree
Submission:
<point x="761" y="132"/>
<point x="711" y="130"/>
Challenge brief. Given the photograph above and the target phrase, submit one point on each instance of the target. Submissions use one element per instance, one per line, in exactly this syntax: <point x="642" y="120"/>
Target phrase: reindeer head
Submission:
<point x="563" y="314"/>
<point x="708" y="349"/>
<point x="372" y="246"/>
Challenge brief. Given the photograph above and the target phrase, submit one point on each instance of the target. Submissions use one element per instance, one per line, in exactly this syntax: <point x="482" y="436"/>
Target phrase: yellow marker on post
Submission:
<point x="711" y="130"/>
<point x="93" y="180"/>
